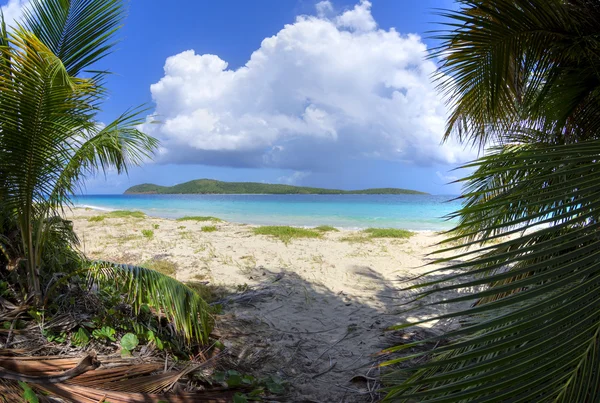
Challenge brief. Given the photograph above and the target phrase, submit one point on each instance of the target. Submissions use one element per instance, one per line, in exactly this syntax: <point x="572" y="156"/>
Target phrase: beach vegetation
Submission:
<point x="163" y="266"/>
<point x="51" y="141"/>
<point x="156" y="226"/>
<point x="125" y="214"/>
<point x="153" y="286"/>
<point x="47" y="118"/>
<point x="200" y="218"/>
<point x="96" y="218"/>
<point x="388" y="233"/>
<point x="523" y="82"/>
<point x="326" y="228"/>
<point x="356" y="238"/>
<point x="122" y="239"/>
<point x="286" y="233"/>
<point x="208" y="228"/>
<point x="148" y="233"/>
<point x="186" y="235"/>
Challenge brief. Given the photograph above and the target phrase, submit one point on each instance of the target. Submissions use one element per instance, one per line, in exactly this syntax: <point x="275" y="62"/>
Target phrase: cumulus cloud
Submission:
<point x="325" y="89"/>
<point x="324" y="8"/>
<point x="13" y="11"/>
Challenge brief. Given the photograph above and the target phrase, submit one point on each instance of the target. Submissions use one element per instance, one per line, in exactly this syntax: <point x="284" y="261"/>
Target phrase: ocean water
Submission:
<point x="414" y="212"/>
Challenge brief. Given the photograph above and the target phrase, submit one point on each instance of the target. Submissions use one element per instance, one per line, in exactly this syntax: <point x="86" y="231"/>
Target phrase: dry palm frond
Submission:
<point x="83" y="394"/>
<point x="119" y="380"/>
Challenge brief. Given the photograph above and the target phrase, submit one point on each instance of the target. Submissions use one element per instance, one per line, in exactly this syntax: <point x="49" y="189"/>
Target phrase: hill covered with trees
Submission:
<point x="210" y="186"/>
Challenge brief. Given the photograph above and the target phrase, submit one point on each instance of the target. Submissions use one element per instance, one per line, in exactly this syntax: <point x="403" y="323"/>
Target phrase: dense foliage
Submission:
<point x="51" y="141"/>
<point x="210" y="186"/>
<point x="522" y="77"/>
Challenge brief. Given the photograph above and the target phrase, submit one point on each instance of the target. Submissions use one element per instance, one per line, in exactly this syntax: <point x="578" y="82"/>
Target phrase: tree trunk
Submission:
<point x="33" y="276"/>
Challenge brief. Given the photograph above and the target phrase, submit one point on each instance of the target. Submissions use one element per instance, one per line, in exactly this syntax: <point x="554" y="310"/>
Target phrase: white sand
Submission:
<point x="318" y="291"/>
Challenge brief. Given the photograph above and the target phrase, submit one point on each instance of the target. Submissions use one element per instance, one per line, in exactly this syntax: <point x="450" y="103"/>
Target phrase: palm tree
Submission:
<point x="49" y="137"/>
<point x="50" y="140"/>
<point x="523" y="79"/>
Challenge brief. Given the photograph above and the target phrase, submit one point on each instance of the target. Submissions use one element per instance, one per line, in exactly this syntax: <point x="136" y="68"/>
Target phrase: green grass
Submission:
<point x="326" y="228"/>
<point x="148" y="233"/>
<point x="388" y="233"/>
<point x="125" y="214"/>
<point x="162" y="266"/>
<point x="209" y="228"/>
<point x="285" y="233"/>
<point x="200" y="218"/>
<point x="96" y="218"/>
<point x="356" y="239"/>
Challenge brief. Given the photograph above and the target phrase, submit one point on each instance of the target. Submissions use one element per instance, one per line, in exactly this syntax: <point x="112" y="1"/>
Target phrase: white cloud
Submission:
<point x="324" y="8"/>
<point x="13" y="11"/>
<point x="446" y="178"/>
<point x="320" y="91"/>
<point x="359" y="19"/>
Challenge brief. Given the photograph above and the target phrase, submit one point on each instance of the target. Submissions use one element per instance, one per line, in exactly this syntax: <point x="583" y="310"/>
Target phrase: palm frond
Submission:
<point x="118" y="145"/>
<point x="506" y="62"/>
<point x="533" y="331"/>
<point x="49" y="98"/>
<point x="78" y="32"/>
<point x="188" y="312"/>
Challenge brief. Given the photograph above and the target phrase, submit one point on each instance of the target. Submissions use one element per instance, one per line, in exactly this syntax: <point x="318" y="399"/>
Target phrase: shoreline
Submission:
<point x="101" y="209"/>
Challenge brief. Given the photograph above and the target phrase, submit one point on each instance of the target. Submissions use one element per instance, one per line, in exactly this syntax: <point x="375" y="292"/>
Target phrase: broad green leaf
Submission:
<point x="129" y="341"/>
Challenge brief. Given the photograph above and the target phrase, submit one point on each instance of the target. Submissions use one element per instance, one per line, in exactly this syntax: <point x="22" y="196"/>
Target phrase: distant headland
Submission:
<point x="211" y="186"/>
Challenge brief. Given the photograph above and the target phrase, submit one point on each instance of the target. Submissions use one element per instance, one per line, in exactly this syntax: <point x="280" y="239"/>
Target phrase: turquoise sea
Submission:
<point x="414" y="212"/>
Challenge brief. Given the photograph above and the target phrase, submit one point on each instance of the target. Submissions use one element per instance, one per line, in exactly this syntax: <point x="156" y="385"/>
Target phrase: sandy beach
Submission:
<point x="318" y="309"/>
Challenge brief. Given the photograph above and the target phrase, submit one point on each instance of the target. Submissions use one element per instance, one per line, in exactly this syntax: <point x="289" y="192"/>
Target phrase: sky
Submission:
<point x="334" y="94"/>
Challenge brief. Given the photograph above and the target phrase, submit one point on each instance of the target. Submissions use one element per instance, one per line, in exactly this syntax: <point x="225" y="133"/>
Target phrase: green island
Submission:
<point x="211" y="186"/>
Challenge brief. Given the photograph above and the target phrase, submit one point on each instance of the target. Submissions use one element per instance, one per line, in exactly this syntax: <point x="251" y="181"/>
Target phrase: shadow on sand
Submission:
<point x="324" y="345"/>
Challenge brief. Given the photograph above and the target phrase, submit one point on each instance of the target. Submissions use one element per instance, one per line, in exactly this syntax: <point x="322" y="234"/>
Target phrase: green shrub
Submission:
<point x="388" y="233"/>
<point x="326" y="228"/>
<point x="199" y="218"/>
<point x="148" y="233"/>
<point x="285" y="233"/>
<point x="209" y="228"/>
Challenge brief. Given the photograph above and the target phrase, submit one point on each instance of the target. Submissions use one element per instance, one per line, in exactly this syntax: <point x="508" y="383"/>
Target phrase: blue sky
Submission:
<point x="335" y="94"/>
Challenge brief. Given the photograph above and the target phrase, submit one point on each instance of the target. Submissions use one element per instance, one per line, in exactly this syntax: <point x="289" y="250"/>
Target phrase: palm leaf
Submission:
<point x="537" y="67"/>
<point x="523" y="75"/>
<point x="533" y="332"/>
<point x="49" y="138"/>
<point x="78" y="32"/>
<point x="188" y="312"/>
